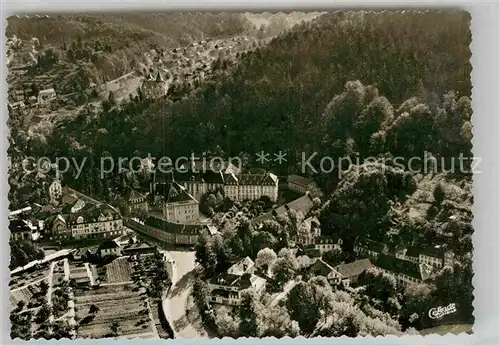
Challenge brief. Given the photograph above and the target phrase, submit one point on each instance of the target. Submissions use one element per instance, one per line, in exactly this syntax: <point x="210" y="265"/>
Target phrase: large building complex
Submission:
<point x="199" y="178"/>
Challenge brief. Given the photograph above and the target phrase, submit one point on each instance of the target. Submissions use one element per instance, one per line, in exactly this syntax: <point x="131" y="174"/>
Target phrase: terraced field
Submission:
<point x="120" y="270"/>
<point x="117" y="303"/>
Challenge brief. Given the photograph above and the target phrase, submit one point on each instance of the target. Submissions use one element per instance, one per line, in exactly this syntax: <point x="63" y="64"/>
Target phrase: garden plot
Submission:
<point x="28" y="278"/>
<point x="24" y="294"/>
<point x="32" y="295"/>
<point x="115" y="304"/>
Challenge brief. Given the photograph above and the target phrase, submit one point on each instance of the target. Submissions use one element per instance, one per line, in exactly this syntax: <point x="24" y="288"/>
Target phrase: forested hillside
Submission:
<point x="340" y="85"/>
<point x="98" y="48"/>
<point x="165" y="29"/>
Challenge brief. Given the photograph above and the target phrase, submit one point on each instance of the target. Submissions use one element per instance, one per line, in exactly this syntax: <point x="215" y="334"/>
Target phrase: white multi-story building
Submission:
<point x="179" y="206"/>
<point x="308" y="231"/>
<point x="437" y="256"/>
<point x="55" y="192"/>
<point x="99" y="221"/>
<point x="251" y="186"/>
<point x="227" y="287"/>
<point x="198" y="178"/>
<point x="406" y="272"/>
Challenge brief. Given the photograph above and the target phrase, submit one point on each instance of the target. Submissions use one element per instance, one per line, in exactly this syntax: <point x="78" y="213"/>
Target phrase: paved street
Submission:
<point x="175" y="303"/>
<point x="49" y="291"/>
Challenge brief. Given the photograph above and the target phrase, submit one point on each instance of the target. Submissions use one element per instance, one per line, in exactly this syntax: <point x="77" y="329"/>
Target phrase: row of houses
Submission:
<point x="227" y="288"/>
<point x="437" y="256"/>
<point x="165" y="231"/>
<point x="19" y="99"/>
<point x="111" y="247"/>
<point x="73" y="219"/>
<point x="409" y="266"/>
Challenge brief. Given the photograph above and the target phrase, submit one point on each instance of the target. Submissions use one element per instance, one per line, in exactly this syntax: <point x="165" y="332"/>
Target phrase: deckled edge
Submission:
<point x="228" y="340"/>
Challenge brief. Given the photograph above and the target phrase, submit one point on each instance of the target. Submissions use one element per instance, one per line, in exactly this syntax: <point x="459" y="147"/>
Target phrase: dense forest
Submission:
<point x="127" y="29"/>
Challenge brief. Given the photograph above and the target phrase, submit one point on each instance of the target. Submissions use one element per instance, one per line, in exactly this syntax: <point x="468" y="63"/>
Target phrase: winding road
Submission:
<point x="174" y="304"/>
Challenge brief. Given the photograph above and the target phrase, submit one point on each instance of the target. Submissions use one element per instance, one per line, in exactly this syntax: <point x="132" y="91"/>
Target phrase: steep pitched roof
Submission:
<point x="242" y="266"/>
<point x="171" y="227"/>
<point x="109" y="244"/>
<point x="401" y="266"/>
<point x="371" y="245"/>
<point x="159" y="78"/>
<point x="139" y="246"/>
<point x="299" y="180"/>
<point x="310" y="221"/>
<point x="320" y="267"/>
<point x="176" y="193"/>
<point x="134" y="195"/>
<point x="354" y="268"/>
<point x="436" y="251"/>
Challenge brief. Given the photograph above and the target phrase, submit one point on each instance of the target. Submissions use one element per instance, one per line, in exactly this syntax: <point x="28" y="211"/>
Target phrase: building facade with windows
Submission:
<point x="227" y="288"/>
<point x="46" y="95"/>
<point x="308" y="231"/>
<point x="200" y="177"/>
<point x="369" y="248"/>
<point x="55" y="192"/>
<point x="155" y="87"/>
<point x="179" y="206"/>
<point x="302" y="185"/>
<point x="96" y="221"/>
<point x="406" y="272"/>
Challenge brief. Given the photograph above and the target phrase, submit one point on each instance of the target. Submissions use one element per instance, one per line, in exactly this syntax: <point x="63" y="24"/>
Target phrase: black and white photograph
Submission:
<point x="201" y="175"/>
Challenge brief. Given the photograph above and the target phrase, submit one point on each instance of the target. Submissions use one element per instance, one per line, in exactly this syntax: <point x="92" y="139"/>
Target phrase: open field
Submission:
<point x="119" y="303"/>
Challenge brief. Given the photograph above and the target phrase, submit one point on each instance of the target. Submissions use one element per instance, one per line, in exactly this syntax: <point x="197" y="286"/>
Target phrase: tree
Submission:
<point x="20" y="305"/>
<point x="265" y="258"/>
<point x="439" y="193"/>
<point x="44" y="287"/>
<point x="94" y="309"/>
<point x="264" y="239"/>
<point x="201" y="294"/>
<point x="227" y="325"/>
<point x="250" y="312"/>
<point x="61" y="329"/>
<point x="208" y="201"/>
<point x="278" y="323"/>
<point x="114" y="328"/>
<point x="43" y="314"/>
<point x="416" y="303"/>
<point x="284" y="269"/>
<point x="333" y="257"/>
<point x="305" y="302"/>
<point x="354" y="210"/>
<point x="381" y="286"/>
<point x="22" y="252"/>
